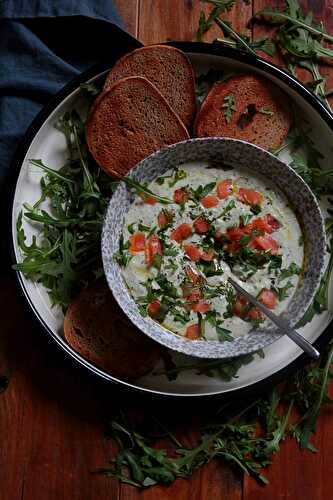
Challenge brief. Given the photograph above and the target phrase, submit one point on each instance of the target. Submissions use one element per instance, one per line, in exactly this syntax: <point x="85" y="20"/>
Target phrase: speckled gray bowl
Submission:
<point x="242" y="154"/>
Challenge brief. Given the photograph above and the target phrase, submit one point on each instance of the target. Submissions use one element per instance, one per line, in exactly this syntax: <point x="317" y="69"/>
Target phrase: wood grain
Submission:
<point x="163" y="20"/>
<point x="129" y="11"/>
<point x="52" y="416"/>
<point x="296" y="474"/>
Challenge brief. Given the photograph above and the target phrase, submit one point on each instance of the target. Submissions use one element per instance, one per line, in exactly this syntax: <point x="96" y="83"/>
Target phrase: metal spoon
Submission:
<point x="281" y="323"/>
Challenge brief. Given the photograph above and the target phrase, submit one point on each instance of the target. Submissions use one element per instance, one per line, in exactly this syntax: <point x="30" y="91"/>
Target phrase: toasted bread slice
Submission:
<point x="258" y="112"/>
<point x="169" y="69"/>
<point x="129" y="122"/>
<point x="96" y="328"/>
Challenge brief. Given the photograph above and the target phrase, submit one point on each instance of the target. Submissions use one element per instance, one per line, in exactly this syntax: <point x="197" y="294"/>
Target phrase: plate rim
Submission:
<point x="130" y="44"/>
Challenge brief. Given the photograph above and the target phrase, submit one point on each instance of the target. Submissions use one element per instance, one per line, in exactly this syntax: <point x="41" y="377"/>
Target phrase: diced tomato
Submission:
<point x="268" y="298"/>
<point x="209" y="201"/>
<point x="165" y="217"/>
<point x="254" y="314"/>
<point x="239" y="308"/>
<point x="137" y="243"/>
<point x="267" y="224"/>
<point x="192" y="251"/>
<point x="195" y="295"/>
<point x="272" y="222"/>
<point x="193" y="332"/>
<point x="148" y="199"/>
<point x="154" y="247"/>
<point x="202" y="306"/>
<point x="181" y="196"/>
<point x="248" y="228"/>
<point x="249" y="196"/>
<point x="235" y="233"/>
<point x="193" y="275"/>
<point x="153" y="307"/>
<point x="224" y="189"/>
<point x="181" y="232"/>
<point x="201" y="226"/>
<point x="191" y="293"/>
<point x="232" y="247"/>
<point x="264" y="243"/>
<point x="207" y="256"/>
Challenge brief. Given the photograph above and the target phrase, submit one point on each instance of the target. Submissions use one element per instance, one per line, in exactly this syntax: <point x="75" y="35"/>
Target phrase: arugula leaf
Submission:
<point x="224" y="334"/>
<point x="90" y="90"/>
<point x="220" y="6"/>
<point x="295" y="20"/>
<point x="144" y="190"/>
<point x="66" y="254"/>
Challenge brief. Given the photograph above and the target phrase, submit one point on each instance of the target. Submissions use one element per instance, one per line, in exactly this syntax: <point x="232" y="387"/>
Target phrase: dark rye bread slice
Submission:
<point x="96" y="328"/>
<point x="262" y="113"/>
<point x="169" y="69"/>
<point x="129" y="122"/>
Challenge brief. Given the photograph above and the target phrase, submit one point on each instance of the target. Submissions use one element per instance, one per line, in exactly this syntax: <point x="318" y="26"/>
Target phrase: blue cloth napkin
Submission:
<point x="43" y="44"/>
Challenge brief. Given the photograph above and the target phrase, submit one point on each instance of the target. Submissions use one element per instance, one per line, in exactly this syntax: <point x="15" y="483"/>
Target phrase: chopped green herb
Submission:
<point x="130" y="228"/>
<point x="122" y="257"/>
<point x="266" y="111"/>
<point x="143" y="228"/>
<point x="156" y="261"/>
<point x="180" y="315"/>
<point x="289" y="271"/>
<point x="90" y="90"/>
<point x="167" y="288"/>
<point x="201" y="321"/>
<point x="245" y="240"/>
<point x="178" y="175"/>
<point x="226" y="210"/>
<point x="245" y="219"/>
<point x="275" y="262"/>
<point x="228" y="107"/>
<point x="283" y="291"/>
<point x="256" y="209"/>
<point x="202" y="191"/>
<point x="211" y="268"/>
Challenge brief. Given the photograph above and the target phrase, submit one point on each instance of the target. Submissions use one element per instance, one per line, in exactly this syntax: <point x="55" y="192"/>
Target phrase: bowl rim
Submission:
<point x="130" y="43"/>
<point x="151" y="328"/>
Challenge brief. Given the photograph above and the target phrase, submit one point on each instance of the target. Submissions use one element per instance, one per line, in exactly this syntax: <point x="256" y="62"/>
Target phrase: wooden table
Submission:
<point x="52" y="416"/>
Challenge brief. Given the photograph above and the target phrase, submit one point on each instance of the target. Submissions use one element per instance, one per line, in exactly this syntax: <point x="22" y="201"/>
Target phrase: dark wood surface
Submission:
<point x="52" y="415"/>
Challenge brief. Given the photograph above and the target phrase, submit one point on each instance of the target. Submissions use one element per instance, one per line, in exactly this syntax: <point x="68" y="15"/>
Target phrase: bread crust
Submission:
<point x="169" y="69"/>
<point x="96" y="328"/>
<point x="264" y="129"/>
<point x="128" y="123"/>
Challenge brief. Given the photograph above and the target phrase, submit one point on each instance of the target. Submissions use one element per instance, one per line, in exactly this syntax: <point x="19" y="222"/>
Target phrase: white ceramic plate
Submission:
<point x="45" y="142"/>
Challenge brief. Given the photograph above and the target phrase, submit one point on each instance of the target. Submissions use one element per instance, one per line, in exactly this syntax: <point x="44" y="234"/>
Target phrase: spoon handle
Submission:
<point x="281" y="323"/>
